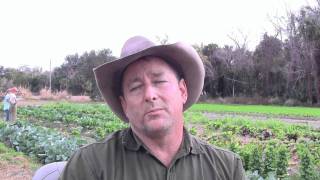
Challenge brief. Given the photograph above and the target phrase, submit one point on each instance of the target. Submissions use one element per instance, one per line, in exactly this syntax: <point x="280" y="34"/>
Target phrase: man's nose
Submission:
<point x="150" y="93"/>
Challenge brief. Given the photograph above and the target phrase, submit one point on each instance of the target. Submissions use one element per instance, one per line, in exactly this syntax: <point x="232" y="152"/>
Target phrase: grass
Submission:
<point x="267" y="110"/>
<point x="10" y="156"/>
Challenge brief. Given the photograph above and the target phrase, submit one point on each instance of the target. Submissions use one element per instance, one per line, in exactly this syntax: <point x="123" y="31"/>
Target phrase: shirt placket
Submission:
<point x="170" y="173"/>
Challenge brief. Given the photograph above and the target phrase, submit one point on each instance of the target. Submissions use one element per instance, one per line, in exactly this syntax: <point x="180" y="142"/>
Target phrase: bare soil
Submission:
<point x="15" y="171"/>
<point x="35" y="100"/>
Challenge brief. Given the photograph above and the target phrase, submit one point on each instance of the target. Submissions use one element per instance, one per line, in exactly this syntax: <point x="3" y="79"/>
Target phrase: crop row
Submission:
<point x="268" y="146"/>
<point x="92" y="117"/>
<point x="265" y="129"/>
<point x="43" y="143"/>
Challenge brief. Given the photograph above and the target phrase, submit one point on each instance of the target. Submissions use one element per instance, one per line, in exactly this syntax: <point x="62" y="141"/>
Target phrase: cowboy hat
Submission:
<point x="180" y="55"/>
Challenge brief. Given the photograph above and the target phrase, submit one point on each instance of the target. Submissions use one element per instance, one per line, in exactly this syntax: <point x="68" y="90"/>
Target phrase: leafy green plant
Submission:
<point x="306" y="168"/>
<point x="245" y="154"/>
<point x="93" y="117"/>
<point x="256" y="176"/>
<point x="269" y="159"/>
<point x="76" y="131"/>
<point x="193" y="131"/>
<point x="282" y="161"/>
<point x="292" y="133"/>
<point x="255" y="162"/>
<point x="45" y="144"/>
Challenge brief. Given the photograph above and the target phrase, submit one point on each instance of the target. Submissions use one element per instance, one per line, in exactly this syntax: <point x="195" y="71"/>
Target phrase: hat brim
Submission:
<point x="181" y="54"/>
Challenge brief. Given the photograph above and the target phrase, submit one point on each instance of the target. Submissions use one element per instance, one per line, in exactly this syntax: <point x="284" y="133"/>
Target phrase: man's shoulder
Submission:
<point x="227" y="164"/>
<point x="214" y="151"/>
<point x="111" y="141"/>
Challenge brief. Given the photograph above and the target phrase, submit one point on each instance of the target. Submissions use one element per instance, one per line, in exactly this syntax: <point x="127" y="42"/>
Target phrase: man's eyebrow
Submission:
<point x="156" y="74"/>
<point x="133" y="80"/>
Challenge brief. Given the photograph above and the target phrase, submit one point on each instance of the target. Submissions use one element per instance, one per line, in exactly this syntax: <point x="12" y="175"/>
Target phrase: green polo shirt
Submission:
<point x="122" y="156"/>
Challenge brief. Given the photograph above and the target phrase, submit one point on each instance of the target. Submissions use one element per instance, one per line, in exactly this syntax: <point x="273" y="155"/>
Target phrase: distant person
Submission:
<point x="150" y="87"/>
<point x="6" y="106"/>
<point x="13" y="104"/>
<point x="10" y="104"/>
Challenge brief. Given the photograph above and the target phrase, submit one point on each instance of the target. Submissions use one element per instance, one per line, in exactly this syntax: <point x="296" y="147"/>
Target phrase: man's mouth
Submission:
<point x="154" y="110"/>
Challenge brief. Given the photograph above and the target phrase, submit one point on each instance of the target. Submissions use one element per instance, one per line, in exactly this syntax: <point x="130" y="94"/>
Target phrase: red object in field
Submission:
<point x="14" y="89"/>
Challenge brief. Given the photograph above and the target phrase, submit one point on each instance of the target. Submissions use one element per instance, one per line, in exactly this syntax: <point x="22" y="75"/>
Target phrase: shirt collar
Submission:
<point x="189" y="144"/>
<point x="130" y="140"/>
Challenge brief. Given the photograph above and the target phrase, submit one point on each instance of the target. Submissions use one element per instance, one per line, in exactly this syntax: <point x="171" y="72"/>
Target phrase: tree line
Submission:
<point x="285" y="68"/>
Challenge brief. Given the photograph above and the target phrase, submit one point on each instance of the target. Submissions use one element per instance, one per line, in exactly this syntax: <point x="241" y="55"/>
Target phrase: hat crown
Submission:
<point x="134" y="45"/>
<point x="14" y="89"/>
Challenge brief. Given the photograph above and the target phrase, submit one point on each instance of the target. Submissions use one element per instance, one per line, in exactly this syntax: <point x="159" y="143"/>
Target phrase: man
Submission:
<point x="149" y="87"/>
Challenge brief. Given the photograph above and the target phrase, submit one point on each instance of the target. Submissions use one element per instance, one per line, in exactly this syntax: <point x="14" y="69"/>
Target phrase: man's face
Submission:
<point x="153" y="97"/>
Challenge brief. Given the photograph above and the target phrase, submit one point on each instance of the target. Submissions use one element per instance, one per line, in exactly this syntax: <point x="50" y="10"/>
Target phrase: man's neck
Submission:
<point x="164" y="148"/>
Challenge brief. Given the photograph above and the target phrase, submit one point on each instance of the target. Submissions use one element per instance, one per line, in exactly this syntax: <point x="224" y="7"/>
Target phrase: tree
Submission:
<point x="76" y="74"/>
<point x="269" y="66"/>
<point x="309" y="31"/>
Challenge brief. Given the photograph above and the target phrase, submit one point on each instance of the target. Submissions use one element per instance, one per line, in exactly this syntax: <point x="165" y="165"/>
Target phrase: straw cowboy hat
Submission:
<point x="181" y="55"/>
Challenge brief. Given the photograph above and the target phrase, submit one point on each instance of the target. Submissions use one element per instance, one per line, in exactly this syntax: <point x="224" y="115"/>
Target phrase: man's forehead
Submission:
<point x="153" y="66"/>
<point x="147" y="60"/>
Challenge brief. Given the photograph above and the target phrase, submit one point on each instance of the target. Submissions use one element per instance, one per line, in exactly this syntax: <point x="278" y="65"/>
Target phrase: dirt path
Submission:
<point x="33" y="102"/>
<point x="16" y="171"/>
<point x="38" y="101"/>
<point x="313" y="122"/>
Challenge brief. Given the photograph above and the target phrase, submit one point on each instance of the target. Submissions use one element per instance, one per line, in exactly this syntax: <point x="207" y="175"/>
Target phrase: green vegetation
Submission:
<point x="10" y="156"/>
<point x="266" y="147"/>
<point x="266" y="110"/>
<point x="39" y="142"/>
<point x="308" y="158"/>
<point x="96" y="119"/>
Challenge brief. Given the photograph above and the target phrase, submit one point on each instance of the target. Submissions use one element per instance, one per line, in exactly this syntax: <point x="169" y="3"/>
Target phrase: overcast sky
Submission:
<point x="34" y="32"/>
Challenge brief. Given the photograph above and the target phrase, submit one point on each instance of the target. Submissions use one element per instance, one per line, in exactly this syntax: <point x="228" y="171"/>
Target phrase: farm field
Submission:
<point x="265" y="110"/>
<point x="269" y="148"/>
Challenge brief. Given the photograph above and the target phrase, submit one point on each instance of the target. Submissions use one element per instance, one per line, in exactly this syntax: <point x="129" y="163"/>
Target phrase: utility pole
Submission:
<point x="50" y="77"/>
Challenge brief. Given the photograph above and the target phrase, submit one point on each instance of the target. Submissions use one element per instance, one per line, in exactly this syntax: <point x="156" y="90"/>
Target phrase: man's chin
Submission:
<point x="155" y="129"/>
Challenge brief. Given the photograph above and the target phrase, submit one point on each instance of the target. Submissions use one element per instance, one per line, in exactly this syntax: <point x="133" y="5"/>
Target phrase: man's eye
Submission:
<point x="135" y="88"/>
<point x="160" y="81"/>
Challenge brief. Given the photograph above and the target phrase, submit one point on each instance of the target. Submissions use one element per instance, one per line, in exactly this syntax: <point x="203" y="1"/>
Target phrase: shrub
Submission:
<point x="275" y="100"/>
<point x="292" y="102"/>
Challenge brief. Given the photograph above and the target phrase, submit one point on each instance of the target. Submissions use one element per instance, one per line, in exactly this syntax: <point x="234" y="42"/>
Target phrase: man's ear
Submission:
<point x="123" y="104"/>
<point x="183" y="90"/>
